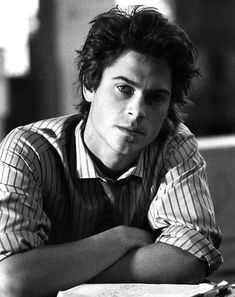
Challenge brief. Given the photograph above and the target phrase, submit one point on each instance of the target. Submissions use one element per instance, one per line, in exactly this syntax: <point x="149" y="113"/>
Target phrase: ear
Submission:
<point x="88" y="95"/>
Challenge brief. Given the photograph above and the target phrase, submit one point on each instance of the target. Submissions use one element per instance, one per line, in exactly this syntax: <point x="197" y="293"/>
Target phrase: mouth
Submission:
<point x="131" y="131"/>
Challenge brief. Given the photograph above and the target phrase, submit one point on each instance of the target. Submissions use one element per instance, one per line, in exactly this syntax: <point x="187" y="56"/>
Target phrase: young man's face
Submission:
<point x="129" y="106"/>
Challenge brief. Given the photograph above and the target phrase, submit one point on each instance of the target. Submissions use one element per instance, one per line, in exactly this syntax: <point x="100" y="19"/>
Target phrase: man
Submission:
<point x="117" y="192"/>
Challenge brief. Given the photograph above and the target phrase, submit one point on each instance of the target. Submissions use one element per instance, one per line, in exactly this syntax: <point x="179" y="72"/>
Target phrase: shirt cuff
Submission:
<point x="194" y="242"/>
<point x="15" y="242"/>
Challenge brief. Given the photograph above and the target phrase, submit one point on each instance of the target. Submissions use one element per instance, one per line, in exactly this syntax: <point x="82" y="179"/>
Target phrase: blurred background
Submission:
<point x="38" y="40"/>
<point x="38" y="43"/>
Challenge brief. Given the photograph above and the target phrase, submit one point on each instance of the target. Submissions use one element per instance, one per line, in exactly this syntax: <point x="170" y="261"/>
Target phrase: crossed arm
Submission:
<point x="121" y="254"/>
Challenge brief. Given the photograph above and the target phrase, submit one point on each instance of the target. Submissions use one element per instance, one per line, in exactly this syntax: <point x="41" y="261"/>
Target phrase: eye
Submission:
<point x="125" y="89"/>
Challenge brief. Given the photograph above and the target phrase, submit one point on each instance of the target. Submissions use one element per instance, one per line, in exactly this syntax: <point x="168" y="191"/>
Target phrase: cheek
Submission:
<point x="105" y="114"/>
<point x="158" y="115"/>
<point x="155" y="120"/>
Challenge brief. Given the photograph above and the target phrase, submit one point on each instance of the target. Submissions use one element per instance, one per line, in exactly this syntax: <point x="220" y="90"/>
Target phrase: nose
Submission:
<point x="136" y="107"/>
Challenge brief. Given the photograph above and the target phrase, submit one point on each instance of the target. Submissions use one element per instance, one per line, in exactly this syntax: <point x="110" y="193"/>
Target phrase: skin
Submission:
<point x="127" y="112"/>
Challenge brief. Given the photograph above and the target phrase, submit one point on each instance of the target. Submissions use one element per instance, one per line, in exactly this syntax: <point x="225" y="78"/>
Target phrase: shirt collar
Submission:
<point x="85" y="165"/>
<point x="86" y="168"/>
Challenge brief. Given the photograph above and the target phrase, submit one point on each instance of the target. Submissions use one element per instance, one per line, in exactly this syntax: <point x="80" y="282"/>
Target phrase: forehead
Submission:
<point x="141" y="69"/>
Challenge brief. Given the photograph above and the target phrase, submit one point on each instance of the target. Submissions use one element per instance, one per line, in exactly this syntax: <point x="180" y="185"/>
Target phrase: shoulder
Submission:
<point x="182" y="146"/>
<point x="42" y="134"/>
<point x="181" y="142"/>
<point x="54" y="128"/>
<point x="182" y="136"/>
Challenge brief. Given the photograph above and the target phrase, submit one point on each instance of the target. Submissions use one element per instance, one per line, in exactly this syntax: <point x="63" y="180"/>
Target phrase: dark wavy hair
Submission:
<point x="148" y="32"/>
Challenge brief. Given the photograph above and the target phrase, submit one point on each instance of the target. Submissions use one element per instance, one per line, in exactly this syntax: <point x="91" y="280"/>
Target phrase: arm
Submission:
<point x="183" y="207"/>
<point x="155" y="263"/>
<point x="186" y="249"/>
<point x="27" y="267"/>
<point x="46" y="270"/>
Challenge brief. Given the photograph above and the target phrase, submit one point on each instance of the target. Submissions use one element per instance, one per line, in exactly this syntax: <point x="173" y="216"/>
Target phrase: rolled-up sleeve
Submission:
<point x="23" y="224"/>
<point x="182" y="206"/>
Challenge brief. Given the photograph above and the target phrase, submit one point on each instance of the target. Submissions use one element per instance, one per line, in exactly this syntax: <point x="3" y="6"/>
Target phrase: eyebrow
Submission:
<point x="136" y="84"/>
<point x="129" y="81"/>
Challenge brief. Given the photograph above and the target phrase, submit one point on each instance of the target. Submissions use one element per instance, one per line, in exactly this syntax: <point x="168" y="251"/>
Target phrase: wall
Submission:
<point x="71" y="23"/>
<point x="219" y="153"/>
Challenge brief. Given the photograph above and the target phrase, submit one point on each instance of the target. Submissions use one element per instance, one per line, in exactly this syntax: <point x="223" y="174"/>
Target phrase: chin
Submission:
<point x="128" y="150"/>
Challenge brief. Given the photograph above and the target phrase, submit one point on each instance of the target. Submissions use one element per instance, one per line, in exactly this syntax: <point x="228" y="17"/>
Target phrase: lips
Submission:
<point x="130" y="130"/>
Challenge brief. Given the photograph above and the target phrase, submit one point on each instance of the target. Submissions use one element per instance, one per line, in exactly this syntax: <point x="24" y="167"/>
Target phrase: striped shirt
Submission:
<point x="51" y="191"/>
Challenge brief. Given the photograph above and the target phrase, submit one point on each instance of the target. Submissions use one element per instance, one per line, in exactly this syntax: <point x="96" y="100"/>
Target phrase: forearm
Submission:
<point x="155" y="263"/>
<point x="44" y="271"/>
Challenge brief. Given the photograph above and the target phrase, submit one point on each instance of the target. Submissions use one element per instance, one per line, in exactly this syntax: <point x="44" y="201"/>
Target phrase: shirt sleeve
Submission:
<point x="183" y="207"/>
<point x="23" y="224"/>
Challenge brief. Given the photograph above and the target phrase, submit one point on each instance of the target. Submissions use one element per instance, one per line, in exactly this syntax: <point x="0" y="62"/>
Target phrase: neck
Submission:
<point x="113" y="170"/>
<point x="112" y="166"/>
<point x="110" y="163"/>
